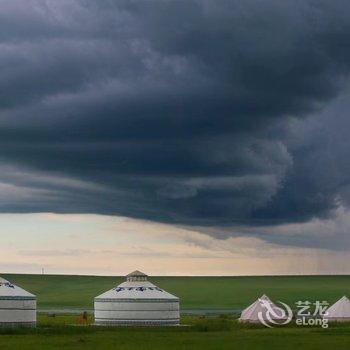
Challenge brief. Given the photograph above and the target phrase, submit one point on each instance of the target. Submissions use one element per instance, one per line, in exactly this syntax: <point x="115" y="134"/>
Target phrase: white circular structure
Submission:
<point x="137" y="302"/>
<point x="17" y="306"/>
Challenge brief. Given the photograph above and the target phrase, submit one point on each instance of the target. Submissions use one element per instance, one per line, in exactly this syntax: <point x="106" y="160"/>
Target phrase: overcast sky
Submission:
<point x="200" y="133"/>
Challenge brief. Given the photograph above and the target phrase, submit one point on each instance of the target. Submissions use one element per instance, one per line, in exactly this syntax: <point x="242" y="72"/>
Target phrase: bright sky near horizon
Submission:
<point x="107" y="245"/>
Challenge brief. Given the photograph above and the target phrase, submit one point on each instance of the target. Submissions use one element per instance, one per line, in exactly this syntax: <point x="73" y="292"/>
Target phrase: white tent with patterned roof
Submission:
<point x="137" y="301"/>
<point x="17" y="306"/>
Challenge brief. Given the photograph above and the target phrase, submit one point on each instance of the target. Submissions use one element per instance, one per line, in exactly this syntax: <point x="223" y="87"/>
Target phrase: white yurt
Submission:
<point x="339" y="311"/>
<point x="251" y="313"/>
<point x="17" y="306"/>
<point x="137" y="302"/>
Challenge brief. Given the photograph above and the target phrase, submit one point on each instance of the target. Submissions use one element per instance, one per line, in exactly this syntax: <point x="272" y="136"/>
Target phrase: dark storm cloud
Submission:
<point x="192" y="112"/>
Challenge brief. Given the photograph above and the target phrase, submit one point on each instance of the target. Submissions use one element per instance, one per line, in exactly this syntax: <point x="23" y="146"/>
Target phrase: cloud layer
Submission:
<point x="190" y="112"/>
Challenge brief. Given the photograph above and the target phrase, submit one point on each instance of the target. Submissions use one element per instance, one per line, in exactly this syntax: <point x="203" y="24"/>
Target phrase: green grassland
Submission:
<point x="208" y="333"/>
<point x="61" y="291"/>
<point x="223" y="332"/>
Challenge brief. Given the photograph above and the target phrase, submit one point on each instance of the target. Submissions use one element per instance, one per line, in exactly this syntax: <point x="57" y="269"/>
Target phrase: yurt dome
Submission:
<point x="339" y="311"/>
<point x="251" y="313"/>
<point x="137" y="302"/>
<point x="17" y="306"/>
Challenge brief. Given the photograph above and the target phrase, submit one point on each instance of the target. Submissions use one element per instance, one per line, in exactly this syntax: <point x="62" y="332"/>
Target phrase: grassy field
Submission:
<point x="206" y="334"/>
<point x="59" y="291"/>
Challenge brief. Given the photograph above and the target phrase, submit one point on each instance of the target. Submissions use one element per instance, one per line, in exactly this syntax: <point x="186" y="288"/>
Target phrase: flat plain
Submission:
<point x="208" y="333"/>
<point x="229" y="294"/>
<point x="196" y="293"/>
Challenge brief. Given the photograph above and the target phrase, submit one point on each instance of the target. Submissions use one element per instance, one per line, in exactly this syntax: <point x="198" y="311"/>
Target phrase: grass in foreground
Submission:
<point x="206" y="333"/>
<point x="60" y="291"/>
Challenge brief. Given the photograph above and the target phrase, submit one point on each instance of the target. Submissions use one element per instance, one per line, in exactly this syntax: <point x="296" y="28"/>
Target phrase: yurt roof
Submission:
<point x="340" y="309"/>
<point x="136" y="273"/>
<point x="136" y="290"/>
<point x="11" y="291"/>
